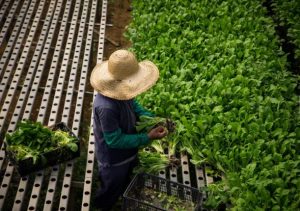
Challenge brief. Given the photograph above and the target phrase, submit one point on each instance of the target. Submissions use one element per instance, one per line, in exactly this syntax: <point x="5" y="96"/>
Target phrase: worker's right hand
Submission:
<point x="157" y="133"/>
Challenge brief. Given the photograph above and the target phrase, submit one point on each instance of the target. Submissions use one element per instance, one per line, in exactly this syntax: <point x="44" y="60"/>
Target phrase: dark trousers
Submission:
<point x="114" y="181"/>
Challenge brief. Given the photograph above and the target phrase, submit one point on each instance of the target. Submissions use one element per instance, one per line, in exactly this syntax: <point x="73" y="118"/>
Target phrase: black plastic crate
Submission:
<point x="149" y="192"/>
<point x="57" y="156"/>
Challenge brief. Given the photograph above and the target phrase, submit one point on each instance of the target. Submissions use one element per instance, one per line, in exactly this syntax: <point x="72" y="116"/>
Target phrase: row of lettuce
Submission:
<point x="224" y="80"/>
<point x="288" y="15"/>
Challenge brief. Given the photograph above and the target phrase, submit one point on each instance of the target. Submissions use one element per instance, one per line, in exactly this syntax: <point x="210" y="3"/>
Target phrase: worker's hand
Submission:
<point x="157" y="133"/>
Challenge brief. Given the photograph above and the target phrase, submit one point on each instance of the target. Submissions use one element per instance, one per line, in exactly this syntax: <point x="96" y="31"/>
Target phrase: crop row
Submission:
<point x="223" y="79"/>
<point x="288" y="14"/>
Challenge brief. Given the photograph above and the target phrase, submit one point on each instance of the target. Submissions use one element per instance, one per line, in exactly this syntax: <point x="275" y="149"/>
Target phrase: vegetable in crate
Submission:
<point x="146" y="123"/>
<point x="32" y="140"/>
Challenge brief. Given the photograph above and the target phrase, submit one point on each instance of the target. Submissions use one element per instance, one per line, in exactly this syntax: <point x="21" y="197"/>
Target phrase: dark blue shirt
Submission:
<point x="114" y="129"/>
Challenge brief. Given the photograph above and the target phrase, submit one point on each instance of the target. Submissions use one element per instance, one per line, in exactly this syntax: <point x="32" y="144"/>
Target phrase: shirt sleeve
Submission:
<point x="113" y="135"/>
<point x="140" y="110"/>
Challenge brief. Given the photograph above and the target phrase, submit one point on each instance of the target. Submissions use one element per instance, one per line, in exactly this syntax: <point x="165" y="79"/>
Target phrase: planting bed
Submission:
<point x="227" y="84"/>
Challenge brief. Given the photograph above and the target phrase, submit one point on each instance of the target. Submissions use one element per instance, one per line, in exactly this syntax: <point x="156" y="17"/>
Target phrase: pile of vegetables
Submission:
<point x="164" y="201"/>
<point x="32" y="140"/>
<point x="224" y="81"/>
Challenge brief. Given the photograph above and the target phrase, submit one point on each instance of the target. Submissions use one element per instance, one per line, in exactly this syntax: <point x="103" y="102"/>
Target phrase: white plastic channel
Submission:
<point x="200" y="177"/>
<point x="87" y="188"/>
<point x="173" y="173"/>
<point x="57" y="99"/>
<point x="185" y="170"/>
<point x="173" y="178"/>
<point x="75" y="68"/>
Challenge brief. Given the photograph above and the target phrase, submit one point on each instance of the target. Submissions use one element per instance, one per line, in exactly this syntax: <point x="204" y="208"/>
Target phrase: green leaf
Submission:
<point x="73" y="147"/>
<point x="217" y="109"/>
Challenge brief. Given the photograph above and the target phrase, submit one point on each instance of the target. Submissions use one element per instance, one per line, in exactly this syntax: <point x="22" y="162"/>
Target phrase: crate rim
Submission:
<point x="158" y="177"/>
<point x="129" y="187"/>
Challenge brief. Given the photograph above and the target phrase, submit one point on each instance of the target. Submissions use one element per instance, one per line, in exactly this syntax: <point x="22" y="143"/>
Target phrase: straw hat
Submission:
<point x="122" y="77"/>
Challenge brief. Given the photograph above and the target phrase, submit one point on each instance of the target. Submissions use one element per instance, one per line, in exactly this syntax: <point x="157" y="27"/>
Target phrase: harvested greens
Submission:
<point x="165" y="201"/>
<point x="146" y="123"/>
<point x="32" y="139"/>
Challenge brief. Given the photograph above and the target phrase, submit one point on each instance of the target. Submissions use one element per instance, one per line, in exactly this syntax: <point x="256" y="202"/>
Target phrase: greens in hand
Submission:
<point x="32" y="139"/>
<point x="146" y="123"/>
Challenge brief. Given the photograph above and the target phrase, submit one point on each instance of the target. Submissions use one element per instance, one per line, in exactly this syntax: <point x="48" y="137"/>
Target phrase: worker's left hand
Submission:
<point x="157" y="133"/>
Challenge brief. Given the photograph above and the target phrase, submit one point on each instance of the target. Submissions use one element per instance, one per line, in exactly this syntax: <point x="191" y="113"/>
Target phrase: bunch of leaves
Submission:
<point x="287" y="13"/>
<point x="152" y="162"/>
<point x="32" y="139"/>
<point x="146" y="123"/>
<point x="224" y="81"/>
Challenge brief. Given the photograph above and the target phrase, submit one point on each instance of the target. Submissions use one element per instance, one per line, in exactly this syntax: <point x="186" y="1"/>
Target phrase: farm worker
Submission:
<point x="118" y="81"/>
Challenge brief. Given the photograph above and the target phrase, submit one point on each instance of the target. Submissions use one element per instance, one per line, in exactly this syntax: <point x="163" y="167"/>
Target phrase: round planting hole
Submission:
<point x="186" y="182"/>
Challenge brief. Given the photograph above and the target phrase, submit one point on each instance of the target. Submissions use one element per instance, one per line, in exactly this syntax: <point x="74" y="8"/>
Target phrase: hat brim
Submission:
<point x="128" y="88"/>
